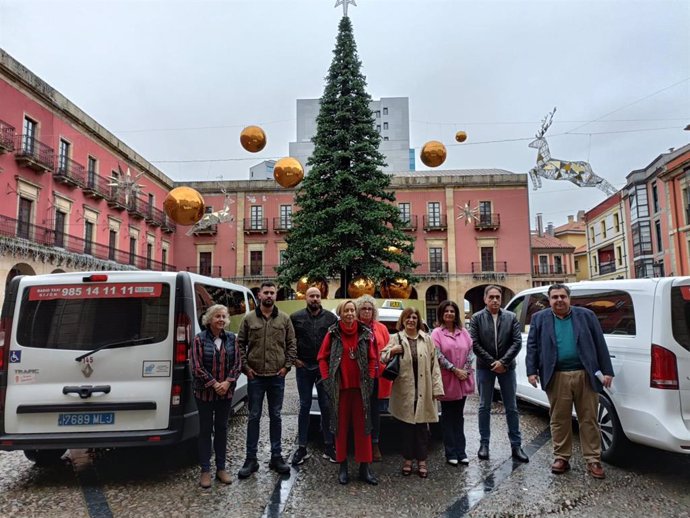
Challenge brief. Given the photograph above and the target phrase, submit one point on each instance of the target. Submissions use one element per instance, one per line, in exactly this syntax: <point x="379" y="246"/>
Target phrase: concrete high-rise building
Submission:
<point x="391" y="119"/>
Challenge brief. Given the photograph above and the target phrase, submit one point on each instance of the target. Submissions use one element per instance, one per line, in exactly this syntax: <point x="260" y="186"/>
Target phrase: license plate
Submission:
<point x="91" y="418"/>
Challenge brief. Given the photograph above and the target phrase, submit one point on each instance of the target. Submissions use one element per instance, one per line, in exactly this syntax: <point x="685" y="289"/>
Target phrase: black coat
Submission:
<point x="487" y="349"/>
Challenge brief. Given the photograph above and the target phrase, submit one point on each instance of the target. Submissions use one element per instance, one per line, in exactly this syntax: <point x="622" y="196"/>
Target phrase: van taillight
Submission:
<point x="664" y="369"/>
<point x="175" y="394"/>
<point x="182" y="337"/>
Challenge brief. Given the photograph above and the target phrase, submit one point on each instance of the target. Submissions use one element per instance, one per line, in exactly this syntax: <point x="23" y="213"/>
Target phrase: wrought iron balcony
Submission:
<point x="435" y="223"/>
<point x="210" y="230"/>
<point x="154" y="217"/>
<point x="168" y="225"/>
<point x="259" y="271"/>
<point x="69" y="172"/>
<point x="7" y="136"/>
<point x="432" y="269"/>
<point x="547" y="270"/>
<point x="208" y="271"/>
<point x="487" y="222"/>
<point x="281" y="225"/>
<point x="96" y="186"/>
<point x="34" y="154"/>
<point x="255" y="226"/>
<point x="488" y="266"/>
<point x="137" y="207"/>
<point x="607" y="267"/>
<point x="410" y="224"/>
<point x="117" y="199"/>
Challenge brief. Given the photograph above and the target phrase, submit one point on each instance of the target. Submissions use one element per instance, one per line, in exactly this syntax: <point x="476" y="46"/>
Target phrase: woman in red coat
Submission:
<point x="347" y="363"/>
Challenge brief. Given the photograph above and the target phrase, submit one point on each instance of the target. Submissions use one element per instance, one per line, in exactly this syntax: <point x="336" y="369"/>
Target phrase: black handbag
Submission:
<point x="392" y="369"/>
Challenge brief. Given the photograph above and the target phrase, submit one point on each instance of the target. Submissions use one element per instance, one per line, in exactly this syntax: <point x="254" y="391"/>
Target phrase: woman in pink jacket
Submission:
<point x="455" y="356"/>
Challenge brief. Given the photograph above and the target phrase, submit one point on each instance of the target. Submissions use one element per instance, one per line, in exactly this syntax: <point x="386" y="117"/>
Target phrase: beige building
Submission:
<point x="606" y="240"/>
<point x="574" y="233"/>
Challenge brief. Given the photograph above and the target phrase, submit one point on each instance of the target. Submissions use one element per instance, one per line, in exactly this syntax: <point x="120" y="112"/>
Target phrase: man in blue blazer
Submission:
<point x="566" y="350"/>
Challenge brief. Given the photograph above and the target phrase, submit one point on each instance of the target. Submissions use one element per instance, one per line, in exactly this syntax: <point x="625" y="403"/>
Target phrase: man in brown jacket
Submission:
<point x="268" y="348"/>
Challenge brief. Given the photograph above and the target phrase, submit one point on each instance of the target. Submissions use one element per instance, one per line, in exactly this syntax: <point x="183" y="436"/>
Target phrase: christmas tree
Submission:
<point x="347" y="223"/>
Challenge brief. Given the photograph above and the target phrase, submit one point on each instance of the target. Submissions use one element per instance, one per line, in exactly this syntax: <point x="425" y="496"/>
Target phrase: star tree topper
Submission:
<point x="468" y="213"/>
<point x="344" y="3"/>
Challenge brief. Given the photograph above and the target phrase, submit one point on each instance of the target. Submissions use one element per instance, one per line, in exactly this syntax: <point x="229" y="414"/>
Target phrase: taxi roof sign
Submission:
<point x="392" y="304"/>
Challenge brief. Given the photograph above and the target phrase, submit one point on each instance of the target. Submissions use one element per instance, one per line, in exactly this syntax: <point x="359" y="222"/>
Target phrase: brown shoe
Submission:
<point x="596" y="470"/>
<point x="205" y="479"/>
<point x="376" y="453"/>
<point x="223" y="476"/>
<point x="560" y="466"/>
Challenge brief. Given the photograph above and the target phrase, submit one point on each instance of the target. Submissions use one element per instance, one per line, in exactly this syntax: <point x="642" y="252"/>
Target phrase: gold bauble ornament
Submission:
<point x="360" y="286"/>
<point x="288" y="172"/>
<point x="396" y="289"/>
<point x="393" y="249"/>
<point x="433" y="153"/>
<point x="300" y="295"/>
<point x="184" y="205"/>
<point x="304" y="283"/>
<point x="461" y="136"/>
<point x="253" y="139"/>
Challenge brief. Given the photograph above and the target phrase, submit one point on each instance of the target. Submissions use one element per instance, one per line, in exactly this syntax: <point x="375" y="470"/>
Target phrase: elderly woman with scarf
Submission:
<point x="347" y="362"/>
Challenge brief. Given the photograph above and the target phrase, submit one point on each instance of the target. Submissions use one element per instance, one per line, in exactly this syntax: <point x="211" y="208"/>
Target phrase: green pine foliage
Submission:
<point x="347" y="214"/>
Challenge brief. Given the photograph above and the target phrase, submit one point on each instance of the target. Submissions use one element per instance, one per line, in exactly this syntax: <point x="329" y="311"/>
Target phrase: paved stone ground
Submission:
<point x="163" y="481"/>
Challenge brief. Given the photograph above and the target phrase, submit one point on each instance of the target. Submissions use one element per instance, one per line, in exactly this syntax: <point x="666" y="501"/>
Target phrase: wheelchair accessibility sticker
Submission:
<point x="15" y="356"/>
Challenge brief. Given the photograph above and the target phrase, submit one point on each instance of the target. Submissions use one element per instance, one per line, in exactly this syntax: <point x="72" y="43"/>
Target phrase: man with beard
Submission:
<point x="268" y="348"/>
<point x="311" y="325"/>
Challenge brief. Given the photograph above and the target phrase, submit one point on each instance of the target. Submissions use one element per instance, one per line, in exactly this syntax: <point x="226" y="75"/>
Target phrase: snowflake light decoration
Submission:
<point x="468" y="213"/>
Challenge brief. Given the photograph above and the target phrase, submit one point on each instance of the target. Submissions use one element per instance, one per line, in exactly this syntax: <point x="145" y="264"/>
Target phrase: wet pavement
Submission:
<point x="163" y="481"/>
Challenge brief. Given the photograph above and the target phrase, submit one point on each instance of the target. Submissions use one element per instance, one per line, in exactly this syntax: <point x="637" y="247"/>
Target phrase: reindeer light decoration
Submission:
<point x="215" y="217"/>
<point x="580" y="173"/>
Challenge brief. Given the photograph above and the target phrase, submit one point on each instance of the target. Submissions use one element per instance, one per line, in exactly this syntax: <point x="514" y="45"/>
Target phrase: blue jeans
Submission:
<point x="508" y="383"/>
<point x="307" y="377"/>
<point x="453" y="426"/>
<point x="213" y="418"/>
<point x="273" y="387"/>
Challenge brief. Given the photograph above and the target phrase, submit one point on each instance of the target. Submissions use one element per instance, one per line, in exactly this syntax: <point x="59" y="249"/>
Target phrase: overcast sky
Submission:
<point x="178" y="80"/>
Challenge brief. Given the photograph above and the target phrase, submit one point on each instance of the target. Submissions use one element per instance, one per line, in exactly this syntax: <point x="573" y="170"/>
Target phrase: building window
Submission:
<point x="558" y="265"/>
<point x="88" y="237"/>
<point x="115" y="176"/>
<point x="385" y="125"/>
<point x="655" y="197"/>
<point x="256" y="262"/>
<point x="487" y="256"/>
<point x="543" y="265"/>
<point x="282" y="255"/>
<point x="619" y="256"/>
<point x="29" y="136"/>
<point x="205" y="261"/>
<point x="591" y="233"/>
<point x="286" y="216"/>
<point x="641" y="238"/>
<point x="152" y="202"/>
<point x="164" y="258"/>
<point x="485" y="212"/>
<point x="63" y="156"/>
<point x="256" y="216"/>
<point x="385" y="111"/>
<point x="404" y="210"/>
<point x="378" y="114"/>
<point x="686" y="197"/>
<point x="434" y="213"/>
<point x="112" y="244"/>
<point x="149" y="255"/>
<point x="657" y="231"/>
<point x="60" y="218"/>
<point x="638" y="202"/>
<point x="616" y="222"/>
<point x="385" y="138"/>
<point x="603" y="229"/>
<point x="378" y="128"/>
<point x="132" y="249"/>
<point x="436" y="260"/>
<point x="92" y="165"/>
<point x="24" y="218"/>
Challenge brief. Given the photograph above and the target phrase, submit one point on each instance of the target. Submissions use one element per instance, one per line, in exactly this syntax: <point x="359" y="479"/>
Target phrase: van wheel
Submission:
<point x="44" y="457"/>
<point x="614" y="443"/>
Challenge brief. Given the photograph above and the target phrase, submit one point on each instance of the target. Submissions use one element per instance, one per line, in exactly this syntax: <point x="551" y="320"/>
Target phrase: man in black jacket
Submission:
<point x="496" y="340"/>
<point x="311" y="325"/>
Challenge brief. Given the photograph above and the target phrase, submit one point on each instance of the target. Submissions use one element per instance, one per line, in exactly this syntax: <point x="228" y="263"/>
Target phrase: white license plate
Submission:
<point x="83" y="419"/>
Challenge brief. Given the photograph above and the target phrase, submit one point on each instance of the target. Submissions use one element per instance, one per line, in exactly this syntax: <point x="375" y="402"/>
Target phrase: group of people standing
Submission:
<point x="344" y="357"/>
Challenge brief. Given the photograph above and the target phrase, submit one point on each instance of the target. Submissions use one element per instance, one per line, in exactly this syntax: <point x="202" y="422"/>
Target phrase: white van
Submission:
<point x="646" y="324"/>
<point x="100" y="359"/>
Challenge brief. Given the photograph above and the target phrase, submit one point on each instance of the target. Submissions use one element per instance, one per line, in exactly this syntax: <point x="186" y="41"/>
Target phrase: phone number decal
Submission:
<point x="119" y="290"/>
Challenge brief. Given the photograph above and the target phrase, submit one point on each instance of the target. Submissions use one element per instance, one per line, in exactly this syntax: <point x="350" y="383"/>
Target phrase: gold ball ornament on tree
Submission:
<point x="288" y="172"/>
<point x="253" y="139"/>
<point x="184" y="205"/>
<point x="461" y="136"/>
<point x="396" y="289"/>
<point x="360" y="286"/>
<point x="393" y="249"/>
<point x="433" y="153"/>
<point x="304" y="283"/>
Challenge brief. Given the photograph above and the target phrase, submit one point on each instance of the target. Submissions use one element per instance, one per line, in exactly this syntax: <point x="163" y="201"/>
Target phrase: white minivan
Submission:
<point x="100" y="359"/>
<point x="646" y="324"/>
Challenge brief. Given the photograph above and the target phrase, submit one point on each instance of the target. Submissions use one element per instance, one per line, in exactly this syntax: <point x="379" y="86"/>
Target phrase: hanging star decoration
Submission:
<point x="345" y="3"/>
<point x="468" y="213"/>
<point x="214" y="218"/>
<point x="124" y="183"/>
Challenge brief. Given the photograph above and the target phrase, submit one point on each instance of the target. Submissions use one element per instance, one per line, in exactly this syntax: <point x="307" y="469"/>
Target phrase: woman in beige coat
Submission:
<point x="415" y="390"/>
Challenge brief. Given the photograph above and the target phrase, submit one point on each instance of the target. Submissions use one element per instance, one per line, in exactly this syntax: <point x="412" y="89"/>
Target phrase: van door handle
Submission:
<point x="85" y="391"/>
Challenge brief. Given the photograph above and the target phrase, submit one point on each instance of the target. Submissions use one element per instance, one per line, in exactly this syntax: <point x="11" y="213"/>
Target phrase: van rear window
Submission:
<point x="680" y="315"/>
<point x="83" y="316"/>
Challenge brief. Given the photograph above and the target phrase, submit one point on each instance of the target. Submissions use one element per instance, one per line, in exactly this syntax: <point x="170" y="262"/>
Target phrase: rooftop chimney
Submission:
<point x="540" y="225"/>
<point x="580" y="215"/>
<point x="571" y="218"/>
<point x="549" y="228"/>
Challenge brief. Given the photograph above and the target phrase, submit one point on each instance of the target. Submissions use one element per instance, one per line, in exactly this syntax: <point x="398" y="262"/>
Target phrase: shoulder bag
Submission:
<point x="392" y="369"/>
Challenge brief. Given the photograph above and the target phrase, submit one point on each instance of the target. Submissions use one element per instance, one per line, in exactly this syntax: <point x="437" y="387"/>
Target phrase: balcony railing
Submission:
<point x="259" y="270"/>
<point x="69" y="172"/>
<point x="50" y="238"/>
<point x="7" y="136"/>
<point x="487" y="222"/>
<point x="281" y="225"/>
<point x="96" y="186"/>
<point x="168" y="225"/>
<point x="255" y="226"/>
<point x="208" y="271"/>
<point x="607" y="267"/>
<point x="117" y="199"/>
<point x="137" y="207"/>
<point x="410" y="224"/>
<point x="545" y="270"/>
<point x="486" y="266"/>
<point x="210" y="230"/>
<point x="154" y="216"/>
<point x="432" y="223"/>
<point x="34" y="154"/>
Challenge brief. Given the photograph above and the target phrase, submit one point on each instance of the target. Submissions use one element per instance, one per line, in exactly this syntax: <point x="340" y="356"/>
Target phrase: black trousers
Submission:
<point x="415" y="440"/>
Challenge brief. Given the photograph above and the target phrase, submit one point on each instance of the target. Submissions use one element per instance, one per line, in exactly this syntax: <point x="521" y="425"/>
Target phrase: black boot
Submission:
<point x="366" y="475"/>
<point x="343" y="477"/>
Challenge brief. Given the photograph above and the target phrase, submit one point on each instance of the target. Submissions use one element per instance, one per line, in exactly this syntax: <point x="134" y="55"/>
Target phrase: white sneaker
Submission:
<point x="465" y="461"/>
<point x="452" y="462"/>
